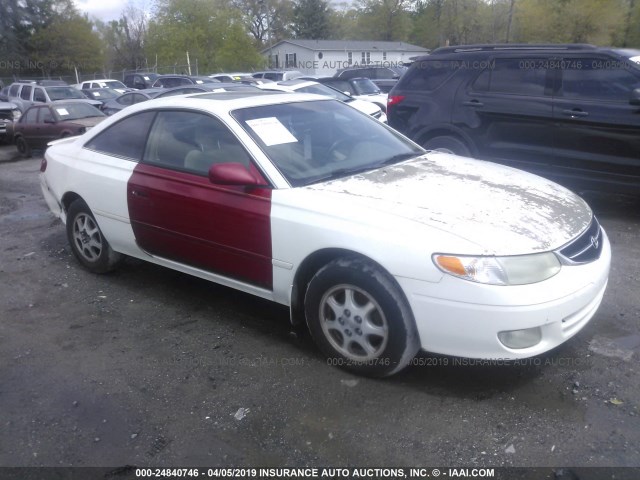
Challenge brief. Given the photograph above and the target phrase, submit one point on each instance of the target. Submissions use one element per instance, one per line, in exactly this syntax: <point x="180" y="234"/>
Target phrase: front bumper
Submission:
<point x="461" y="318"/>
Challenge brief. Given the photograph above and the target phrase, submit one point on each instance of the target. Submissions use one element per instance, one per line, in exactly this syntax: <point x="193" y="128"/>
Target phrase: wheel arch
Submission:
<point x="68" y="198"/>
<point x="446" y="130"/>
<point x="313" y="263"/>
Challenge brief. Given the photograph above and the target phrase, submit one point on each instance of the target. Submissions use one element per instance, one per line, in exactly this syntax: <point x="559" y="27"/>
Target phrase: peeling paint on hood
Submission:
<point x="505" y="210"/>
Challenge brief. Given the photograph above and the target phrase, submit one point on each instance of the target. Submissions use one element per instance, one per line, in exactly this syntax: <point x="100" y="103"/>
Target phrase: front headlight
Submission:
<point x="513" y="270"/>
<point x="16" y="114"/>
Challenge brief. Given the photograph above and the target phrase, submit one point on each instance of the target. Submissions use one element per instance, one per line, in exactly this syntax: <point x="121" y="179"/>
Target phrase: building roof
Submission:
<point x="366" y="45"/>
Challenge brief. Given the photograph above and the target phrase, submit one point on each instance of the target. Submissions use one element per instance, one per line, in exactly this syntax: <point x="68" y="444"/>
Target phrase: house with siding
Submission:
<point x="325" y="57"/>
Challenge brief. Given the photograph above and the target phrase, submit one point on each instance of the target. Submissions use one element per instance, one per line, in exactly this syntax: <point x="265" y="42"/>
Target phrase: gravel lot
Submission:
<point x="147" y="366"/>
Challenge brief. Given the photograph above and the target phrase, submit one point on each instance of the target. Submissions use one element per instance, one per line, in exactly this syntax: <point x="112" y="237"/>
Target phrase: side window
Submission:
<point x="513" y="76"/>
<point x="125" y="99"/>
<point x="597" y="79"/>
<point x="13" y="91"/>
<point x="31" y="116"/>
<point x="428" y="75"/>
<point x="25" y="94"/>
<point x="85" y="85"/>
<point x="138" y="97"/>
<point x="45" y="115"/>
<point x="385" y="73"/>
<point x="125" y="139"/>
<point x="192" y="142"/>
<point x="39" y="96"/>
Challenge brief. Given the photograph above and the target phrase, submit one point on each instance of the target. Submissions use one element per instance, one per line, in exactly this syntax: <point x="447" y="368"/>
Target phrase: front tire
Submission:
<point x="360" y="319"/>
<point x="447" y="144"/>
<point x="87" y="241"/>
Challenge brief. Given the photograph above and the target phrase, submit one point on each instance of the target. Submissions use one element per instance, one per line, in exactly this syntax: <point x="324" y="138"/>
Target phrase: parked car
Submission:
<point x="9" y="113"/>
<point x="239" y="78"/>
<point x="169" y="81"/>
<point x="4" y="94"/>
<point x="277" y="75"/>
<point x="125" y="100"/>
<point x="360" y="88"/>
<point x="101" y="95"/>
<point x="568" y="112"/>
<point x="131" y="98"/>
<point x="307" y="86"/>
<point x="41" y="124"/>
<point x="140" y="81"/>
<point x="207" y="87"/>
<point x="379" y="247"/>
<point x="384" y="77"/>
<point x="26" y="94"/>
<point x="116" y="85"/>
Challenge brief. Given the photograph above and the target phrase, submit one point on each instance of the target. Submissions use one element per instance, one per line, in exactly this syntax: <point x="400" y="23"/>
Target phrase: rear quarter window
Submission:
<point x="125" y="139"/>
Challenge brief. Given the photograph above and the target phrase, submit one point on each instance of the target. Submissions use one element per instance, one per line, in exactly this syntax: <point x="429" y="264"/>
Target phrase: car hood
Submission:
<point x="502" y="210"/>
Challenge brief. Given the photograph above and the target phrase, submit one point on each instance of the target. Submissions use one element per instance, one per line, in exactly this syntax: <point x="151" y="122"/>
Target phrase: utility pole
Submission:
<point x="510" y="20"/>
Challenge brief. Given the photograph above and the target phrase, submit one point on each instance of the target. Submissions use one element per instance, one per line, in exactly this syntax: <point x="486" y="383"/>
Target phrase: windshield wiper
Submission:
<point x="398" y="158"/>
<point x="343" y="172"/>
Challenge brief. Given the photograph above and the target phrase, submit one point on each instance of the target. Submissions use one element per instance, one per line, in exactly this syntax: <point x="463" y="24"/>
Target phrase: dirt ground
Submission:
<point x="147" y="366"/>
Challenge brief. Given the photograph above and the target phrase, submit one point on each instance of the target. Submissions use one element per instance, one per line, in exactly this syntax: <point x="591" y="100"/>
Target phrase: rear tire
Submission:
<point x="359" y="318"/>
<point x="447" y="144"/>
<point x="23" y="147"/>
<point x="87" y="241"/>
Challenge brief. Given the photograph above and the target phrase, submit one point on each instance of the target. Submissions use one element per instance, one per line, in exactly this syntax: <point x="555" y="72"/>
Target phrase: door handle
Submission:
<point x="139" y="193"/>
<point x="473" y="103"/>
<point x="575" y="113"/>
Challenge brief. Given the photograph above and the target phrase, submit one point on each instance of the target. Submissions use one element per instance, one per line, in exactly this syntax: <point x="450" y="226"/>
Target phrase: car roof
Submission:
<point x="224" y="102"/>
<point x="43" y="83"/>
<point x="101" y="80"/>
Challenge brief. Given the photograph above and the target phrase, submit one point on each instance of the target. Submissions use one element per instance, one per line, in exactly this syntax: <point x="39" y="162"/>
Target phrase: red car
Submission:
<point x="41" y="124"/>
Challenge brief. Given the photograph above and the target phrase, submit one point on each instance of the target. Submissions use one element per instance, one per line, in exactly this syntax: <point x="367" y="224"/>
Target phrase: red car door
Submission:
<point x="178" y="214"/>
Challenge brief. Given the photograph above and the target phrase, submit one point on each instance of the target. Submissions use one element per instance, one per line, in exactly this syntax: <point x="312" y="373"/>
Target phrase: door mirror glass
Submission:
<point x="231" y="174"/>
<point x="635" y="97"/>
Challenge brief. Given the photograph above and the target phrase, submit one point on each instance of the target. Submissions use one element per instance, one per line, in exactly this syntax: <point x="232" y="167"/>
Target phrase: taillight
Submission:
<point x="394" y="100"/>
<point x="43" y="164"/>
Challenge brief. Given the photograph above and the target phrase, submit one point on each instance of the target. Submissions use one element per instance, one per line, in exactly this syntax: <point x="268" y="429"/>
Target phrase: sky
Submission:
<point x="107" y="10"/>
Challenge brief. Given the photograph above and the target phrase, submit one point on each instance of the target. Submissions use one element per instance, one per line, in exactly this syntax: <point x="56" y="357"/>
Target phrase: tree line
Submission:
<point x="51" y="37"/>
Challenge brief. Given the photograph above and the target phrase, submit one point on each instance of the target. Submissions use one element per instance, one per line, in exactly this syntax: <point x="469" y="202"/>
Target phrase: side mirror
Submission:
<point x="347" y="93"/>
<point x="49" y="120"/>
<point x="635" y="97"/>
<point x="231" y="174"/>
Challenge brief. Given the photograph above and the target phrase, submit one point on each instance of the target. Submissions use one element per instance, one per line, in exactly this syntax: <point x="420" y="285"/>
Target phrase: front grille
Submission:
<point x="585" y="248"/>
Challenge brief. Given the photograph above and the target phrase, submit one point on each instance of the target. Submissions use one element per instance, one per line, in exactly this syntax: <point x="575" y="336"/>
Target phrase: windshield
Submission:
<point x="103" y="93"/>
<point x="201" y="80"/>
<point x="310" y="142"/>
<point x="64" y="93"/>
<point x="364" y="86"/>
<point x="325" y="91"/>
<point x="115" y="84"/>
<point x="75" y="111"/>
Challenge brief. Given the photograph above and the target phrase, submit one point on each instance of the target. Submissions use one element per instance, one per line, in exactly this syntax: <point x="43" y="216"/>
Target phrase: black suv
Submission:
<point x="569" y="112"/>
<point x="140" y="81"/>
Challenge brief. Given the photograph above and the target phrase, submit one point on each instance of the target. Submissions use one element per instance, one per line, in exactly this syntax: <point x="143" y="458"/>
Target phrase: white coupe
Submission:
<point x="381" y="248"/>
